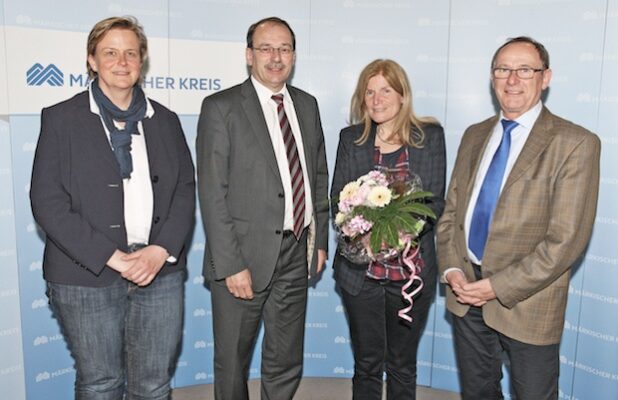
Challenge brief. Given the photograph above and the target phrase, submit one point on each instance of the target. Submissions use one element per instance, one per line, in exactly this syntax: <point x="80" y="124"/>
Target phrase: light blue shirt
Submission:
<point x="519" y="135"/>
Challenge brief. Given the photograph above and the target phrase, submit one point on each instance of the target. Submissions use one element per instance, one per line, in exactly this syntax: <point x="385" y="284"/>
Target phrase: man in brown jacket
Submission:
<point x="519" y="212"/>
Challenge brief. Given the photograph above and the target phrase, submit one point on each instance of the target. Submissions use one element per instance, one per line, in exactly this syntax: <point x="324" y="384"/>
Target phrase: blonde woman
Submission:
<point x="387" y="134"/>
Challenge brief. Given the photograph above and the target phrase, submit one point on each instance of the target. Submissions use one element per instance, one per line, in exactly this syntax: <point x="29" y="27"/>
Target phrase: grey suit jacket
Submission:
<point x="428" y="162"/>
<point x="77" y="197"/>
<point x="541" y="225"/>
<point x="240" y="190"/>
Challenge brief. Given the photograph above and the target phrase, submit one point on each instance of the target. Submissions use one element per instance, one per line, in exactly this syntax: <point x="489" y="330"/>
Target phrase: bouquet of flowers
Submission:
<point x="380" y="215"/>
<point x="380" y="218"/>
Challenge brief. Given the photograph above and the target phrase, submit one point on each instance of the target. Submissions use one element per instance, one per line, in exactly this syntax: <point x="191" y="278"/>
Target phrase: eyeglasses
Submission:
<point x="522" y="73"/>
<point x="269" y="50"/>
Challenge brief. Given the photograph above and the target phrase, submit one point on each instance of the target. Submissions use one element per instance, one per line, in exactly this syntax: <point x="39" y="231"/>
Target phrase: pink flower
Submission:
<point x="356" y="226"/>
<point x="345" y="206"/>
<point x="358" y="198"/>
<point x="378" y="177"/>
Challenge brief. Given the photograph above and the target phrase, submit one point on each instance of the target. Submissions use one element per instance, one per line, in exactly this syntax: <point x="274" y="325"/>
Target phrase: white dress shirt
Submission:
<point x="269" y="108"/>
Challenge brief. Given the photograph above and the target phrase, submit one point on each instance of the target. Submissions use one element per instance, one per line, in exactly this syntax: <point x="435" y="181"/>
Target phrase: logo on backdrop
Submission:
<point x="37" y="75"/>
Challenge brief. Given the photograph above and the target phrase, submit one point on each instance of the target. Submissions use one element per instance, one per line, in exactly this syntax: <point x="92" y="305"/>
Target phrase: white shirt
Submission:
<point x="269" y="108"/>
<point x="519" y="135"/>
<point x="138" y="196"/>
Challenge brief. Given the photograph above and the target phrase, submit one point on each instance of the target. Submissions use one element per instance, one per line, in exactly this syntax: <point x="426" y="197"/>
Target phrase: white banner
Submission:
<point x="50" y="66"/>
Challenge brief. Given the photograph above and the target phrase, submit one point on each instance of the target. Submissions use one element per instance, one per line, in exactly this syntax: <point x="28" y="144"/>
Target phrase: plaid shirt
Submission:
<point x="398" y="167"/>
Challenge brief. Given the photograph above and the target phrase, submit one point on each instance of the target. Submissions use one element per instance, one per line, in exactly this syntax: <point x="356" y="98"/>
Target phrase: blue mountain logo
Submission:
<point x="37" y="75"/>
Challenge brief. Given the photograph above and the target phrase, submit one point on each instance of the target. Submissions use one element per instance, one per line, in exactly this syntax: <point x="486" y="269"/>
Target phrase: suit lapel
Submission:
<point x="255" y="115"/>
<point x="93" y="126"/>
<point x="476" y="149"/>
<point x="154" y="143"/>
<point x="366" y="162"/>
<point x="539" y="138"/>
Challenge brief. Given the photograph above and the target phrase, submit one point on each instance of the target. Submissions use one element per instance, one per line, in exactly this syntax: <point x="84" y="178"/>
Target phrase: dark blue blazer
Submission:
<point x="428" y="162"/>
<point x="77" y="193"/>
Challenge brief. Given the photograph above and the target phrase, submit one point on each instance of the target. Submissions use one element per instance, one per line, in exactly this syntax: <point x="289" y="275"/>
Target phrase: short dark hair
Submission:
<point x="271" y="20"/>
<point x="543" y="54"/>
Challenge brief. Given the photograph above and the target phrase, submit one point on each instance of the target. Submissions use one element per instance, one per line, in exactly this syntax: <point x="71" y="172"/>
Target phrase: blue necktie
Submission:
<point x="489" y="193"/>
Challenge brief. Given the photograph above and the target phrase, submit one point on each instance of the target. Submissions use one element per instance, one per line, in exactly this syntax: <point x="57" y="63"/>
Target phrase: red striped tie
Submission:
<point x="296" y="171"/>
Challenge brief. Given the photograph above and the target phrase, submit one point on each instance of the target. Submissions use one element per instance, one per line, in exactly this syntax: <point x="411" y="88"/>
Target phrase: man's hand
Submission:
<point x="322" y="256"/>
<point x="481" y="290"/>
<point x="466" y="292"/>
<point x="239" y="285"/>
<point x="456" y="279"/>
<point x="147" y="263"/>
<point x="475" y="293"/>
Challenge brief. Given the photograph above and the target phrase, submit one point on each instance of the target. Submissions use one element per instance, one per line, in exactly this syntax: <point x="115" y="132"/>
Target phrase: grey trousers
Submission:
<point x="281" y="308"/>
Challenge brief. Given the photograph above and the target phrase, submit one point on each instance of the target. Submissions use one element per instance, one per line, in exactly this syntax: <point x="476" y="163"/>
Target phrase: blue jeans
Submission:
<point x="125" y="339"/>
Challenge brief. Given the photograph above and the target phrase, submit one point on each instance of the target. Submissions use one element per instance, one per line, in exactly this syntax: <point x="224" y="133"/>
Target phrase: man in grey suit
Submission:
<point x="263" y="183"/>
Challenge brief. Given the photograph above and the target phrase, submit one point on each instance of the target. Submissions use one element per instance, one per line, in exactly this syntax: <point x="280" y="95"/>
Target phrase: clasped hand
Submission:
<point x="473" y="293"/>
<point x="141" y="266"/>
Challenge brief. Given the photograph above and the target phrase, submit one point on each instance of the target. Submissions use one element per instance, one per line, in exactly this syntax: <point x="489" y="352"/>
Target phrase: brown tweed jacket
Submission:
<point x="542" y="224"/>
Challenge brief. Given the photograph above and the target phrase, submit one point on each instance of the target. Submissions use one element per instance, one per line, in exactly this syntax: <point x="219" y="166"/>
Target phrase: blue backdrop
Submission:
<point x="197" y="48"/>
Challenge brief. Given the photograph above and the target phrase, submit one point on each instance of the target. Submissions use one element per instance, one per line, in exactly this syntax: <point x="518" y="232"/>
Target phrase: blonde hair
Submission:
<point x="407" y="125"/>
<point x="100" y="29"/>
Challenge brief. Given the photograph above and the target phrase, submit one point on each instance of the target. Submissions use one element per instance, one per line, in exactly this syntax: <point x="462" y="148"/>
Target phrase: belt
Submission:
<point x="289" y="232"/>
<point x="133" y="247"/>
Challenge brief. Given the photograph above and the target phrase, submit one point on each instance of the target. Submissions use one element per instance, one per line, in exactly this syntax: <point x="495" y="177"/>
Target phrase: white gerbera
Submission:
<point x="348" y="191"/>
<point x="379" y="196"/>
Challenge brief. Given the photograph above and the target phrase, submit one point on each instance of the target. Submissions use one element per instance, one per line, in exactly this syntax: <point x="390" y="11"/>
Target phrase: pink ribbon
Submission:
<point x="414" y="269"/>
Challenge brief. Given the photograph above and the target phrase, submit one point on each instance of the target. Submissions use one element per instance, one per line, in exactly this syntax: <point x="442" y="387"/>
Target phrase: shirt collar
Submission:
<point x="264" y="93"/>
<point x="94" y="107"/>
<point x="528" y="118"/>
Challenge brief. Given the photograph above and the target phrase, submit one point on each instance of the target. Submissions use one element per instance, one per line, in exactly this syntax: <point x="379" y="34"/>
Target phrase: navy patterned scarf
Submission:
<point x="121" y="138"/>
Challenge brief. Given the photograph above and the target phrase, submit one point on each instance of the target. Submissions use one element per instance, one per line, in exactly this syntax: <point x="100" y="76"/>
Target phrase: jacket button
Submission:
<point x="156" y="219"/>
<point x="461" y="227"/>
<point x="281" y="195"/>
<point x="466" y="259"/>
<point x="278" y="232"/>
<point x="155" y="178"/>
